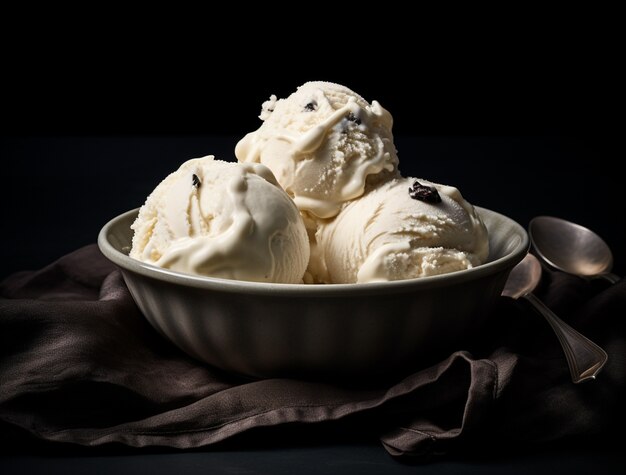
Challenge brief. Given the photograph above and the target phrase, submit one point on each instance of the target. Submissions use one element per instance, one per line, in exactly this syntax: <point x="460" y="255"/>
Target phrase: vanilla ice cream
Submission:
<point x="221" y="219"/>
<point x="323" y="143"/>
<point x="402" y="229"/>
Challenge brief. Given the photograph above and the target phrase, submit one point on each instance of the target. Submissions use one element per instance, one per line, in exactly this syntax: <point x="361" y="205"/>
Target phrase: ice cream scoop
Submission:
<point x="323" y="143"/>
<point x="402" y="229"/>
<point x="222" y="219"/>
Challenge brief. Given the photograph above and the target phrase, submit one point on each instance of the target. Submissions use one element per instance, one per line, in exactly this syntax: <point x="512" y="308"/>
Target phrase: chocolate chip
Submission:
<point x="195" y="181"/>
<point x="311" y="106"/>
<point x="429" y="194"/>
<point x="353" y="118"/>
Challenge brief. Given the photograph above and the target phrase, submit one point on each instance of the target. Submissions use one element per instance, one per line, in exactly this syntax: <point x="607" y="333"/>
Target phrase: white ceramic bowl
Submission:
<point x="317" y="331"/>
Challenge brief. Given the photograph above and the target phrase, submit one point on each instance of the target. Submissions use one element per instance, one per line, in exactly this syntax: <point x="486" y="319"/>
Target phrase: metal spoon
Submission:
<point x="584" y="358"/>
<point x="571" y="248"/>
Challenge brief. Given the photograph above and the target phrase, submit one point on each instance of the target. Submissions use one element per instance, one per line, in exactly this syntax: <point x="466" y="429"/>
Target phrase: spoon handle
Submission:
<point x="584" y="358"/>
<point x="612" y="278"/>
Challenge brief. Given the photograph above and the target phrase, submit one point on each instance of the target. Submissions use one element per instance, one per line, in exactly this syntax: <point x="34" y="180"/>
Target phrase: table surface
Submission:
<point x="360" y="459"/>
<point x="61" y="190"/>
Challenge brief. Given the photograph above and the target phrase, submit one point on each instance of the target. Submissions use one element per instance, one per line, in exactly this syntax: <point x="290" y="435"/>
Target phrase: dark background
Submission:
<point x="528" y="86"/>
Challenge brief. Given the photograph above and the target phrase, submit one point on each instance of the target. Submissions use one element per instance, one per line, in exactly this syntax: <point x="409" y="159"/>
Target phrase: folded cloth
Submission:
<point x="80" y="364"/>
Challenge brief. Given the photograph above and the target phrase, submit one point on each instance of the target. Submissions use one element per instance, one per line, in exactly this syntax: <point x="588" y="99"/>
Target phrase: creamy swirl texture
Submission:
<point x="221" y="219"/>
<point x="387" y="234"/>
<point x="323" y="143"/>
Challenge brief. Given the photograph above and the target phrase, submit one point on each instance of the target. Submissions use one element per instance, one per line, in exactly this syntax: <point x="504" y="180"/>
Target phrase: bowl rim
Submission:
<point x="129" y="264"/>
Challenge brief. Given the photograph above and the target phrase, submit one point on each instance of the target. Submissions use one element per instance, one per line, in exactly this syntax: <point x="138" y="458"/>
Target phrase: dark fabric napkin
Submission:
<point x="80" y="364"/>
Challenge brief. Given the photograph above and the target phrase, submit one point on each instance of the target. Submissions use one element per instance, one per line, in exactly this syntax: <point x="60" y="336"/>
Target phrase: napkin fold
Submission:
<point x="80" y="364"/>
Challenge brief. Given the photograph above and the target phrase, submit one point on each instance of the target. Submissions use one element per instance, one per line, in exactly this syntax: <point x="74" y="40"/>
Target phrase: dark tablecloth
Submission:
<point x="80" y="364"/>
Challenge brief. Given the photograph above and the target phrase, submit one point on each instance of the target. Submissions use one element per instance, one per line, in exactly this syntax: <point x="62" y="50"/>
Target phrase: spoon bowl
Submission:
<point x="571" y="248"/>
<point x="523" y="279"/>
<point x="584" y="358"/>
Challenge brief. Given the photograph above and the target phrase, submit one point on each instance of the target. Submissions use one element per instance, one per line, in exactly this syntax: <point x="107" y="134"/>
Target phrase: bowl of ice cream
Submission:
<point x="312" y="256"/>
<point x="317" y="330"/>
